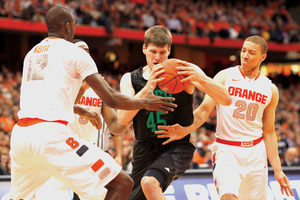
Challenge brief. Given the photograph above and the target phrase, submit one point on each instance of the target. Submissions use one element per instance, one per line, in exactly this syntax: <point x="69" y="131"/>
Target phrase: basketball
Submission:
<point x="171" y="83"/>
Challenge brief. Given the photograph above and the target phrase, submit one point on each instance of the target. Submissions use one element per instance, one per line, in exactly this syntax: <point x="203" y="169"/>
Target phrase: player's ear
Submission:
<point x="263" y="57"/>
<point x="68" y="27"/>
<point x="169" y="50"/>
<point x="144" y="49"/>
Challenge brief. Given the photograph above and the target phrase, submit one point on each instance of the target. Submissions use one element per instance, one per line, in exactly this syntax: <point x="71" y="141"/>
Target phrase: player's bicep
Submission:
<point x="126" y="86"/>
<point x="268" y="119"/>
<point x="221" y="77"/>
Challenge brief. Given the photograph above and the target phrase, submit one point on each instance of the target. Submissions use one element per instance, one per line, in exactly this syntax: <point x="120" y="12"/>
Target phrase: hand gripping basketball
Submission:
<point x="172" y="83"/>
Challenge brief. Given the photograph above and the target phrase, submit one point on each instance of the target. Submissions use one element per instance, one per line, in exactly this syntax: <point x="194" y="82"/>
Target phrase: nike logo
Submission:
<point x="167" y="169"/>
<point x="235" y="79"/>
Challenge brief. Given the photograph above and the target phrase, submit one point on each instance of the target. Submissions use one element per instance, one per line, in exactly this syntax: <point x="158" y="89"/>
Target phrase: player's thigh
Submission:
<point x="226" y="172"/>
<point x="53" y="189"/>
<point x="79" y="164"/>
<point x="27" y="174"/>
<point x="172" y="164"/>
<point x="254" y="185"/>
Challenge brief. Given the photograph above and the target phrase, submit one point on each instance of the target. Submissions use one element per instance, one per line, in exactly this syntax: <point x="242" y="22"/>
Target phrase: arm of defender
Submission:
<point x="269" y="137"/>
<point x="117" y="100"/>
<point x="212" y="87"/>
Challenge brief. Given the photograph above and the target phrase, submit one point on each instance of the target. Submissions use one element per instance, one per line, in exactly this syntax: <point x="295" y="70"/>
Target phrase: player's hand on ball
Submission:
<point x="192" y="72"/>
<point x="157" y="103"/>
<point x="153" y="78"/>
<point x="173" y="132"/>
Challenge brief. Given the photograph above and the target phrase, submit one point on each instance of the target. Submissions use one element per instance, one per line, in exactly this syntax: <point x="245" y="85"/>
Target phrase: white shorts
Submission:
<point x="240" y="171"/>
<point x="54" y="189"/>
<point x="48" y="149"/>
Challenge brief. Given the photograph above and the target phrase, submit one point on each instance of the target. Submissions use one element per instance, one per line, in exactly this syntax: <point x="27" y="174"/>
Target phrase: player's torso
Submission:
<point x="242" y="120"/>
<point x="81" y="126"/>
<point x="145" y="122"/>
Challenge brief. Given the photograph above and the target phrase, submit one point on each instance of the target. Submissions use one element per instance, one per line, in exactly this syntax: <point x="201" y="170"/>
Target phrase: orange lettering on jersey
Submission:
<point x="247" y="94"/>
<point x="40" y="49"/>
<point x="90" y="101"/>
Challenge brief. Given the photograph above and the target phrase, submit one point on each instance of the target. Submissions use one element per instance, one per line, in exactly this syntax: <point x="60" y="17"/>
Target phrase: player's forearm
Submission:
<point x="118" y="145"/>
<point x="79" y="110"/>
<point x="215" y="90"/>
<point x="125" y="116"/>
<point x="272" y="151"/>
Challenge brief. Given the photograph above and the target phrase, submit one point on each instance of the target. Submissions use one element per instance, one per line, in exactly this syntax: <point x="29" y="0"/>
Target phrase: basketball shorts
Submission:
<point x="166" y="165"/>
<point x="240" y="171"/>
<point x="48" y="149"/>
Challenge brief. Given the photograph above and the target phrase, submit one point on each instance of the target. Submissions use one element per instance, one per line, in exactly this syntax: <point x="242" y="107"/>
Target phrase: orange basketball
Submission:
<point x="171" y="83"/>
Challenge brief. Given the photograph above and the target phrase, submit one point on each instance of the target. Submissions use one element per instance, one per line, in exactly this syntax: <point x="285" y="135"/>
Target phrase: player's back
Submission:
<point x="52" y="73"/>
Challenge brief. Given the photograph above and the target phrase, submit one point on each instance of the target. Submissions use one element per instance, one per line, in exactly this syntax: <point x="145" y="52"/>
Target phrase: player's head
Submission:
<point x="60" y="23"/>
<point x="254" y="52"/>
<point x="81" y="44"/>
<point x="157" y="45"/>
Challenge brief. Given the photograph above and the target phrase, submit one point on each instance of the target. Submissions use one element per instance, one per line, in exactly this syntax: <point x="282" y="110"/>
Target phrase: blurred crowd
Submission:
<point x="287" y="123"/>
<point x="206" y="18"/>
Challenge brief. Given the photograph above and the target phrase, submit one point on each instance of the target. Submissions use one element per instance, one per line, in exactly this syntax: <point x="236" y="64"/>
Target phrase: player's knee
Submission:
<point x="149" y="182"/>
<point x="229" y="196"/>
<point x="127" y="182"/>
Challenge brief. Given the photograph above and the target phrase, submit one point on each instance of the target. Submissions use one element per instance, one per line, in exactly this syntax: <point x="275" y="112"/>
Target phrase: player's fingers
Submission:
<point x="182" y="62"/>
<point x="167" y="141"/>
<point x="168" y="99"/>
<point x="162" y="136"/>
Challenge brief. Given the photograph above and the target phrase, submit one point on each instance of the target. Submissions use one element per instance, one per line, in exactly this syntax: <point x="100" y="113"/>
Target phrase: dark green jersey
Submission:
<point x="145" y="122"/>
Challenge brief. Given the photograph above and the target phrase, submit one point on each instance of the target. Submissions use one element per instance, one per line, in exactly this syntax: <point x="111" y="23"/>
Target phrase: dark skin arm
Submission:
<point x="117" y="100"/>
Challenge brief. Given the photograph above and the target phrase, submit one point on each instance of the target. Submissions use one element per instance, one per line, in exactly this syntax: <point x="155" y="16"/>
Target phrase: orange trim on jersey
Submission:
<point x="240" y="144"/>
<point x="51" y="37"/>
<point x="245" y="75"/>
<point x="31" y="121"/>
<point x="242" y="72"/>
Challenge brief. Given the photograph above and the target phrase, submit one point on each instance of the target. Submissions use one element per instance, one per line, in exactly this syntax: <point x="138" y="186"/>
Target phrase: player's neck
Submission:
<point x="250" y="74"/>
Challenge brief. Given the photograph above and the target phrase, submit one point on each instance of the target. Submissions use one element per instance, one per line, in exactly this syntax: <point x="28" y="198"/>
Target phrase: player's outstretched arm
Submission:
<point x="213" y="87"/>
<point x="117" y="100"/>
<point x="177" y="132"/>
<point x="125" y="116"/>
<point x="269" y="137"/>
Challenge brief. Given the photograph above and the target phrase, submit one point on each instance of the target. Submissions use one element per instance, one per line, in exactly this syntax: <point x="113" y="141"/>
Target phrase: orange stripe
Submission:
<point x="31" y="121"/>
<point x="240" y="144"/>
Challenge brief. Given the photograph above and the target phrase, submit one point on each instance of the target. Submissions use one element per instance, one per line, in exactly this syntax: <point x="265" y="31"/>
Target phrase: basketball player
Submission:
<point x="155" y="166"/>
<point x="94" y="130"/>
<point x="42" y="145"/>
<point x="245" y="133"/>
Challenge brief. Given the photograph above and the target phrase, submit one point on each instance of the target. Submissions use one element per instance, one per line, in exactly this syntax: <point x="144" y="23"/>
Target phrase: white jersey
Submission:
<point x="53" y="60"/>
<point x="84" y="128"/>
<point x="242" y="120"/>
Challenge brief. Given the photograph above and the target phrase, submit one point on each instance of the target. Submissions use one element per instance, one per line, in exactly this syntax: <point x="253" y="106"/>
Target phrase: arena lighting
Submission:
<point x="232" y="58"/>
<point x="295" y="69"/>
<point x="110" y="56"/>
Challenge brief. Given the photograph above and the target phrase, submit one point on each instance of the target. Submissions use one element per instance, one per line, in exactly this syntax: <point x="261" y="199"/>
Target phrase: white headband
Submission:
<point x="81" y="43"/>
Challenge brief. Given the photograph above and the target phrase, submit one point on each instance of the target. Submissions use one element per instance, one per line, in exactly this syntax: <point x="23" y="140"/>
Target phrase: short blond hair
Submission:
<point x="158" y="35"/>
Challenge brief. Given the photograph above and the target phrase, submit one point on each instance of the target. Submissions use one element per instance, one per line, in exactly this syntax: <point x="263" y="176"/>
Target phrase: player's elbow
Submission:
<point x="122" y="119"/>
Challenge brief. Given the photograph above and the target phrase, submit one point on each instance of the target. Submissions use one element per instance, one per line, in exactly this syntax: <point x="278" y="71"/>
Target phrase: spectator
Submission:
<point x="147" y="18"/>
<point x="174" y="24"/>
<point x="291" y="157"/>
